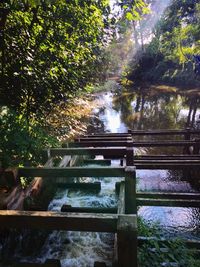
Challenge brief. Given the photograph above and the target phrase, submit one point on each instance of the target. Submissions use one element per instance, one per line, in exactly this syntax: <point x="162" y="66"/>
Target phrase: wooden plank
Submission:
<point x="69" y="208"/>
<point x="96" y="186"/>
<point x="127" y="240"/>
<point x="75" y="160"/>
<point x="120" y="188"/>
<point x="121" y="199"/>
<point x="148" y="132"/>
<point x="166" y="157"/>
<point x="104" y="138"/>
<point x="162" y="195"/>
<point x="163" y="132"/>
<point x="129" y="156"/>
<point x="99" y="264"/>
<point x="65" y="161"/>
<point x="73" y="172"/>
<point x="108" y="151"/>
<point x="106" y="162"/>
<point x="48" y="220"/>
<point x="169" y="203"/>
<point x="171" y="166"/>
<point x="48" y="188"/>
<point x="108" y="135"/>
<point x="167" y="161"/>
<point x="130" y="191"/>
<point x="163" y="143"/>
<point x="48" y="263"/>
<point x="101" y="144"/>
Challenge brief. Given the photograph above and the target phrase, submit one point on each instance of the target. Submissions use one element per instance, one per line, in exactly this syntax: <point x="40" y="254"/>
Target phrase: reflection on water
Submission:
<point x="161" y="180"/>
<point x="151" y="109"/>
<point x="147" y="110"/>
<point x="111" y="117"/>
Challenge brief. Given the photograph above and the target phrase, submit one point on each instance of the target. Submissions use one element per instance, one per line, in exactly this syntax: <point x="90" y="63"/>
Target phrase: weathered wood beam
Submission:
<point x="99" y="264"/>
<point x="65" y="161"/>
<point x="166" y="166"/>
<point x="107" y="151"/>
<point x="163" y="143"/>
<point x="48" y="263"/>
<point x="58" y="221"/>
<point x="104" y="138"/>
<point x="129" y="156"/>
<point x="127" y="240"/>
<point x="121" y="199"/>
<point x="169" y="203"/>
<point x="108" y="135"/>
<point x="73" y="172"/>
<point x="166" y="157"/>
<point x="69" y="208"/>
<point x="106" y="162"/>
<point x="167" y="161"/>
<point x="163" y="132"/>
<point x="101" y="144"/>
<point x="162" y="195"/>
<point x="130" y="191"/>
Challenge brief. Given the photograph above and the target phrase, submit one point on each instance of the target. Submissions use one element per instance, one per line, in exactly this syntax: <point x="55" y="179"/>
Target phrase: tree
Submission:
<point x="50" y="49"/>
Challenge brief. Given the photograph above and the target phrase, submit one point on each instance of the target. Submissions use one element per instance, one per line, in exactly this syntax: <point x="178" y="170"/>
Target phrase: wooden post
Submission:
<point x="121" y="206"/>
<point x="196" y="147"/>
<point x="99" y="264"/>
<point x="187" y="135"/>
<point x="129" y="156"/>
<point x="69" y="208"/>
<point x="130" y="191"/>
<point x="11" y="177"/>
<point x="127" y="240"/>
<point x="48" y="263"/>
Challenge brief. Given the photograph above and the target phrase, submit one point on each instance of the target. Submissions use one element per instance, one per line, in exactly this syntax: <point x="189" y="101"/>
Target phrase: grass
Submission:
<point x="154" y="253"/>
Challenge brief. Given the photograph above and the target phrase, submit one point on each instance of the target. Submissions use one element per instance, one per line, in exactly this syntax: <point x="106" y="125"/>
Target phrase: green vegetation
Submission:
<point x="169" y="55"/>
<point x="155" y="253"/>
<point x="51" y="52"/>
<point x="21" y="142"/>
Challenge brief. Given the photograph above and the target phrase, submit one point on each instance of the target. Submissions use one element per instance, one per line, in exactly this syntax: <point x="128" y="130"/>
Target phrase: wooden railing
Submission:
<point x="122" y="219"/>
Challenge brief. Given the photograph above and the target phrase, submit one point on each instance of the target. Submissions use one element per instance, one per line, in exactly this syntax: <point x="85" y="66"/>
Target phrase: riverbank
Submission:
<point x="160" y="87"/>
<point x="69" y="120"/>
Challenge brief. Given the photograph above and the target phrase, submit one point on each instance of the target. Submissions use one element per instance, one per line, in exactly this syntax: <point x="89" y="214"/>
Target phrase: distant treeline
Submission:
<point x="169" y="57"/>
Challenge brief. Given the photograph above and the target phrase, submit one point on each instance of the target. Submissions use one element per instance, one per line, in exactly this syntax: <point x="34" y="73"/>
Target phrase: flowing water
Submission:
<point x="117" y="112"/>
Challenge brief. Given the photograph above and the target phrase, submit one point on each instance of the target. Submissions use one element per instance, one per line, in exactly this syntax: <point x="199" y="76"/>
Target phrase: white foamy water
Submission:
<point x="82" y="248"/>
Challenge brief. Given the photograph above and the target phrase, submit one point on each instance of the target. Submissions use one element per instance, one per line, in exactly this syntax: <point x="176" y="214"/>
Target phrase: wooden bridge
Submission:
<point x="121" y="220"/>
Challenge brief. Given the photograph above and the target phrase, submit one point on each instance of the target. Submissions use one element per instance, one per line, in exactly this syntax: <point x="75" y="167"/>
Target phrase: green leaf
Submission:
<point x="129" y="16"/>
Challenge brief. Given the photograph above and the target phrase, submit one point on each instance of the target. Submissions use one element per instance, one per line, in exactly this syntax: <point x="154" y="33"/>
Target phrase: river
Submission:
<point x="118" y="111"/>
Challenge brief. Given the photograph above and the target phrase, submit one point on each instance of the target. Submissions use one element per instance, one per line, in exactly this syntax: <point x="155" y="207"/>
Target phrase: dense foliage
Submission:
<point x="175" y="39"/>
<point x="50" y="50"/>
